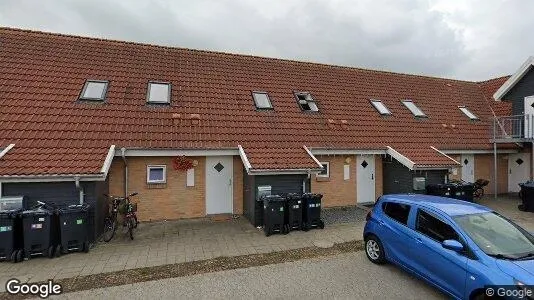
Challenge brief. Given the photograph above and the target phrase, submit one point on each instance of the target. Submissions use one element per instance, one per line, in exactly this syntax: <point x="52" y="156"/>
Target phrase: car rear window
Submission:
<point x="434" y="228"/>
<point x="397" y="211"/>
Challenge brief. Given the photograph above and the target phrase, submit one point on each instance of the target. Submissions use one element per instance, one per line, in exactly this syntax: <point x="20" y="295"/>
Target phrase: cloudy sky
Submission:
<point x="464" y="39"/>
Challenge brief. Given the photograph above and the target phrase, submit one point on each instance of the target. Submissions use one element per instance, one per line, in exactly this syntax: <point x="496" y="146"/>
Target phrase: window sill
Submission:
<point x="150" y="185"/>
<point x="317" y="178"/>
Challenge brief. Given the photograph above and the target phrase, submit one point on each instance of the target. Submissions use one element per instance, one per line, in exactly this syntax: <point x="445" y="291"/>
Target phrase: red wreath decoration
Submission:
<point x="181" y="163"/>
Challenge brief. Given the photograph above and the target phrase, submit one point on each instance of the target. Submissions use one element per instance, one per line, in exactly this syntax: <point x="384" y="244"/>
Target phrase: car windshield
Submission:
<point x="496" y="235"/>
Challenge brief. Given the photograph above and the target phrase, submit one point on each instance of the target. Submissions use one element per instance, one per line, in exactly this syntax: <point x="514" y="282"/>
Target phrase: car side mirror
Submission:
<point x="452" y="245"/>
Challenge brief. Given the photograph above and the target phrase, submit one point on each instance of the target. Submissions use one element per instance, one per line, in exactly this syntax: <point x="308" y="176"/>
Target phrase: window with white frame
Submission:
<point x="380" y="107"/>
<point x="468" y="113"/>
<point x="326" y="170"/>
<point x="94" y="90"/>
<point x="156" y="174"/>
<point x="262" y="101"/>
<point x="416" y="111"/>
<point x="306" y="102"/>
<point x="159" y="92"/>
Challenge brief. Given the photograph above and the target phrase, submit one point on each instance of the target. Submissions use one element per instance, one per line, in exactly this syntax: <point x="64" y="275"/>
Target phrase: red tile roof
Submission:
<point x="489" y="87"/>
<point x="212" y="107"/>
<point x="280" y="158"/>
<point x="426" y="157"/>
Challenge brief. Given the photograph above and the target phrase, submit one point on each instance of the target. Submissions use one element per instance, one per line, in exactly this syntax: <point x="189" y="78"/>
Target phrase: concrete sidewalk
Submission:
<point x="174" y="242"/>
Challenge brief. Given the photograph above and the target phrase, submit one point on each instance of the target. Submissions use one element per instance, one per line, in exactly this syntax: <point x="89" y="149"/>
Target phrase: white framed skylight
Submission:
<point x="416" y="111"/>
<point x="262" y="100"/>
<point x="159" y="92"/>
<point x="380" y="107"/>
<point x="94" y="90"/>
<point x="306" y="101"/>
<point x="468" y="113"/>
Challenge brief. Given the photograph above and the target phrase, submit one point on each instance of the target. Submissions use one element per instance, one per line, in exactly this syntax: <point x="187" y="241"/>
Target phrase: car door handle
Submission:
<point x="419" y="240"/>
<point x="380" y="222"/>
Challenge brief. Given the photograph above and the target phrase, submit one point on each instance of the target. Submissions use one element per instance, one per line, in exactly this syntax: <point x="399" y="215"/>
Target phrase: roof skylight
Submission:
<point x="159" y="92"/>
<point x="416" y="111"/>
<point x="380" y="107"/>
<point x="262" y="101"/>
<point x="306" y="102"/>
<point x="468" y="113"/>
<point x="94" y="90"/>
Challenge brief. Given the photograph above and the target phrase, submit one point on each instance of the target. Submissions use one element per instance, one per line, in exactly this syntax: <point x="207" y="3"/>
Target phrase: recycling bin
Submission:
<point x="311" y="212"/>
<point x="73" y="228"/>
<point x="11" y="229"/>
<point x="40" y="232"/>
<point x="273" y="214"/>
<point x="527" y="196"/>
<point x="294" y="205"/>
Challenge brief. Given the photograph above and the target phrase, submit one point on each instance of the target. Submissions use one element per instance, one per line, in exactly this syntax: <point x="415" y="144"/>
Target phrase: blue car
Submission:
<point x="457" y="246"/>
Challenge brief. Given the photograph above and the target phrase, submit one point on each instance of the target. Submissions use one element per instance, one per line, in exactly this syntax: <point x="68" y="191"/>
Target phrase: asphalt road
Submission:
<point x="347" y="276"/>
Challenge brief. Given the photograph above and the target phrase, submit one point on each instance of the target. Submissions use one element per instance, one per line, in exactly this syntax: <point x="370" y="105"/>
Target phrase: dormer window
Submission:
<point x="416" y="111"/>
<point x="306" y="102"/>
<point x="380" y="107"/>
<point x="159" y="92"/>
<point x="468" y="113"/>
<point x="262" y="101"/>
<point x="94" y="90"/>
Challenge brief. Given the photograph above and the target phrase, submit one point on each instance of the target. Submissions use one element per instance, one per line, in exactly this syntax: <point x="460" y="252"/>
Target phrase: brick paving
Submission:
<point x="174" y="242"/>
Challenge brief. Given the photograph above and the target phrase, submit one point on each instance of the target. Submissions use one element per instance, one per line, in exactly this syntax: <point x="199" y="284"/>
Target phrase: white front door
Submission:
<point x="529" y="113"/>
<point x="518" y="170"/>
<point x="468" y="167"/>
<point x="219" y="188"/>
<point x="365" y="179"/>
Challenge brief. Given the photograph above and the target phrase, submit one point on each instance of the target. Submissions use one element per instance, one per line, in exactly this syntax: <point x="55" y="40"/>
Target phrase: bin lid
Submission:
<point x="528" y="184"/>
<point x="312" y="196"/>
<point x="36" y="212"/>
<point x="273" y="198"/>
<point x="73" y="208"/>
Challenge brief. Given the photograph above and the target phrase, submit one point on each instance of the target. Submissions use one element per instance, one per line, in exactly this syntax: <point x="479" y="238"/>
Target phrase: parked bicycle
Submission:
<point x="125" y="207"/>
<point x="479" y="187"/>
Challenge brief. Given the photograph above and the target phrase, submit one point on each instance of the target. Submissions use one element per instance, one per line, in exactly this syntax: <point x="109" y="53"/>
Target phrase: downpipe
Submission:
<point x="80" y="189"/>
<point x="123" y="155"/>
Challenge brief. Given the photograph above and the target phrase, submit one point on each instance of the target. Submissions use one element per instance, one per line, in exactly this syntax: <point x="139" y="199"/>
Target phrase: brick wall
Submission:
<point x="335" y="190"/>
<point x="379" y="176"/>
<point x="172" y="200"/>
<point x="458" y="175"/>
<point x="238" y="186"/>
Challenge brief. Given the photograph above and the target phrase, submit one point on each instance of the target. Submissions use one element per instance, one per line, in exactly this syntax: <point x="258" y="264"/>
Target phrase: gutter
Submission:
<point x="123" y="155"/>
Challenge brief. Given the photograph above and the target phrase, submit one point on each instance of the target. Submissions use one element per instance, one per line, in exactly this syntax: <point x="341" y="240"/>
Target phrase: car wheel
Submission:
<point x="374" y="250"/>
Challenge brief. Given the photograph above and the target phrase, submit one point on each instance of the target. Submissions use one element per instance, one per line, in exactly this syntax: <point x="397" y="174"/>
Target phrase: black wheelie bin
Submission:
<point x="11" y="229"/>
<point x="311" y="212"/>
<point x="440" y="189"/>
<point x="293" y="211"/>
<point x="464" y="191"/>
<point x="73" y="228"/>
<point x="273" y="214"/>
<point x="40" y="232"/>
<point x="527" y="196"/>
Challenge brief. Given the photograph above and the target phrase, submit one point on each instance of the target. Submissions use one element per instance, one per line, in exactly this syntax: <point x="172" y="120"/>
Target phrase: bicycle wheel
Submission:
<point x="136" y="222"/>
<point x="130" y="224"/>
<point x="110" y="226"/>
